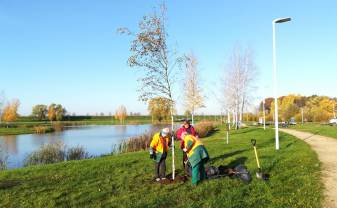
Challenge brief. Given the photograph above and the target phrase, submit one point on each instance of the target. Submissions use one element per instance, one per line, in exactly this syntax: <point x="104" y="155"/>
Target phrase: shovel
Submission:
<point x="259" y="173"/>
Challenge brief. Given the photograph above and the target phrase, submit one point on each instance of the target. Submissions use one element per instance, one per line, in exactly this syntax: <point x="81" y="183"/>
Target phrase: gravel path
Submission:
<point x="326" y="148"/>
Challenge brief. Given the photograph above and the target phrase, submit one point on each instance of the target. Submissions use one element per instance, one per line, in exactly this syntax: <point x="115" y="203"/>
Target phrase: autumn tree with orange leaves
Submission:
<point x="10" y="111"/>
<point x="121" y="114"/>
<point x="56" y="112"/>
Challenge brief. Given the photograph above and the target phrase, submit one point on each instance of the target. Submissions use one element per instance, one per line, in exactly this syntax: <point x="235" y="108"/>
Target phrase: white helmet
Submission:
<point x="165" y="131"/>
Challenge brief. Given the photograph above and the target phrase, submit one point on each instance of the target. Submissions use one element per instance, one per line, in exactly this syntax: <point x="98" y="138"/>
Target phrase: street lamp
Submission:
<point x="278" y="20"/>
<point x="264" y="113"/>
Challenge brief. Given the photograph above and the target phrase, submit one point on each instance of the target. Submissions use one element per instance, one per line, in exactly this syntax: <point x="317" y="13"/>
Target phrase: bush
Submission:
<point x="204" y="128"/>
<point x="57" y="126"/>
<point x="134" y="144"/>
<point x="77" y="153"/>
<point x="42" y="129"/>
<point x="50" y="153"/>
<point x="54" y="153"/>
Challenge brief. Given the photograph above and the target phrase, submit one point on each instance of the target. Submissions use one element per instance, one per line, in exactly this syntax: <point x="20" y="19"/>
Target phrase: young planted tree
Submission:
<point x="191" y="87"/>
<point x="150" y="52"/>
<point x="40" y="111"/>
<point x="239" y="82"/>
<point x="121" y="114"/>
<point x="10" y="111"/>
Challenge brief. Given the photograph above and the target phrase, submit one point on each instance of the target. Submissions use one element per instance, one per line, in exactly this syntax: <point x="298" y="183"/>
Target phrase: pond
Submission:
<point x="97" y="140"/>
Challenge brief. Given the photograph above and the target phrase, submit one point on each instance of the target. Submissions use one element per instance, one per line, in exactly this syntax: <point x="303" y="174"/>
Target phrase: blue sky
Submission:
<point x="68" y="52"/>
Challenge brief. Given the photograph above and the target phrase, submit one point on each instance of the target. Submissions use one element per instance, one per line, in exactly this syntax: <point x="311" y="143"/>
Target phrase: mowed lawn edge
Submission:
<point x="125" y="180"/>
<point x="323" y="130"/>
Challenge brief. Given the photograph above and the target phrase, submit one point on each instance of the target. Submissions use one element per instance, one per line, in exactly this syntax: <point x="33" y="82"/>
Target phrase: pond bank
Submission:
<point x="125" y="180"/>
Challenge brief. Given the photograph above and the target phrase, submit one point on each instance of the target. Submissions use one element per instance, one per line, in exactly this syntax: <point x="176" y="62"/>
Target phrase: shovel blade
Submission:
<point x="259" y="175"/>
<point x="262" y="176"/>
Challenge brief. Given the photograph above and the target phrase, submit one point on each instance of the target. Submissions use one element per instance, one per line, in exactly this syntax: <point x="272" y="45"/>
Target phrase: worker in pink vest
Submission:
<point x="189" y="129"/>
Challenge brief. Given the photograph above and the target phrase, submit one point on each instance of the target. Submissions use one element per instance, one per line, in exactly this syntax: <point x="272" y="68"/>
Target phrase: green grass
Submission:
<point x="125" y="180"/>
<point x="315" y="128"/>
<point x="21" y="130"/>
<point x="16" y="131"/>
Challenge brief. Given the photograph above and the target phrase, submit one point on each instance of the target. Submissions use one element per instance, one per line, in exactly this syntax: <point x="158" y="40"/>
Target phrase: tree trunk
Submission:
<point x="172" y="138"/>
<point x="229" y="120"/>
<point x="233" y="118"/>
<point x="264" y="115"/>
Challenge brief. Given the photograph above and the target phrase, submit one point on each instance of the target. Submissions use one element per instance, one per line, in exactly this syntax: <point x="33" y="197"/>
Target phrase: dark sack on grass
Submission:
<point x="212" y="171"/>
<point x="243" y="173"/>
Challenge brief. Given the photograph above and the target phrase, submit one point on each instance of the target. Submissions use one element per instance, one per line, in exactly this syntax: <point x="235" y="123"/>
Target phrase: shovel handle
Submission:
<point x="253" y="142"/>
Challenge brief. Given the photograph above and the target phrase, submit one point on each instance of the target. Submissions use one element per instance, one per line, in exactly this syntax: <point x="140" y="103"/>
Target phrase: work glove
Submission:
<point x="151" y="156"/>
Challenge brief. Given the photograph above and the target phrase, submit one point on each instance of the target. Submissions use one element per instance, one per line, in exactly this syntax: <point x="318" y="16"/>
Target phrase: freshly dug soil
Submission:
<point x="169" y="180"/>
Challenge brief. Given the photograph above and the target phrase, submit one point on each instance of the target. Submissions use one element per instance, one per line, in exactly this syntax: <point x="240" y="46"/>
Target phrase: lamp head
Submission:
<point x="281" y="20"/>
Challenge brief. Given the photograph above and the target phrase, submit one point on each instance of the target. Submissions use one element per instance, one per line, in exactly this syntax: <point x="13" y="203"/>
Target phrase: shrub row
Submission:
<point x="53" y="153"/>
<point x="204" y="128"/>
<point x="142" y="142"/>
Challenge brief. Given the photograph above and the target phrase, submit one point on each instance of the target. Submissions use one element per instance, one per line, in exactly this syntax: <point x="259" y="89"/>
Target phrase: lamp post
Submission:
<point x="264" y="114"/>
<point x="278" y="20"/>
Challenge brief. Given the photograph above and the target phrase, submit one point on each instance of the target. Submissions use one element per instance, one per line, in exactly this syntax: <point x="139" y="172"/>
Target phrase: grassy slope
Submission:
<point x="20" y="130"/>
<point x="324" y="130"/>
<point x="124" y="180"/>
<point x="15" y="131"/>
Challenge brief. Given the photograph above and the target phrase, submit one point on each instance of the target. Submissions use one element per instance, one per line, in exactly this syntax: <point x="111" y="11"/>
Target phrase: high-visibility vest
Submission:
<point x="191" y="143"/>
<point x="159" y="144"/>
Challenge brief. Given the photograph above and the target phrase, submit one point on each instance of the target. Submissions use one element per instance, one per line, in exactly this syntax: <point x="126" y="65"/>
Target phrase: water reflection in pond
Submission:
<point x="96" y="140"/>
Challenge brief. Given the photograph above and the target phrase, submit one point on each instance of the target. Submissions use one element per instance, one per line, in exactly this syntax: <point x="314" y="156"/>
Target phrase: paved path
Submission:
<point x="326" y="148"/>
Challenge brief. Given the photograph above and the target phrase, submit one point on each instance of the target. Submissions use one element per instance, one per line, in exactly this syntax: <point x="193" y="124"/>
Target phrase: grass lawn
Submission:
<point x="20" y="130"/>
<point x="15" y="131"/>
<point x="324" y="130"/>
<point x="125" y="180"/>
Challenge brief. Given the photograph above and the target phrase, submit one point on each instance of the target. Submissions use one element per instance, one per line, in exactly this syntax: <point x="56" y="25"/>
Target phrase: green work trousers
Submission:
<point x="198" y="173"/>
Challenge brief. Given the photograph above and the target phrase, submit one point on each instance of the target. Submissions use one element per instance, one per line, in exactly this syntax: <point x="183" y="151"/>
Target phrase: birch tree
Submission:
<point x="191" y="87"/>
<point x="150" y="53"/>
<point x="240" y="74"/>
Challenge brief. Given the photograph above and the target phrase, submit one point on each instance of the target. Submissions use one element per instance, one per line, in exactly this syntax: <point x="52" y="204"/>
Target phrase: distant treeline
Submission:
<point x="315" y="108"/>
<point x="109" y="118"/>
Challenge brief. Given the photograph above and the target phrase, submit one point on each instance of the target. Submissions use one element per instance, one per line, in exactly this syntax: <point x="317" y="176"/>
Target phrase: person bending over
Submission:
<point x="197" y="156"/>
